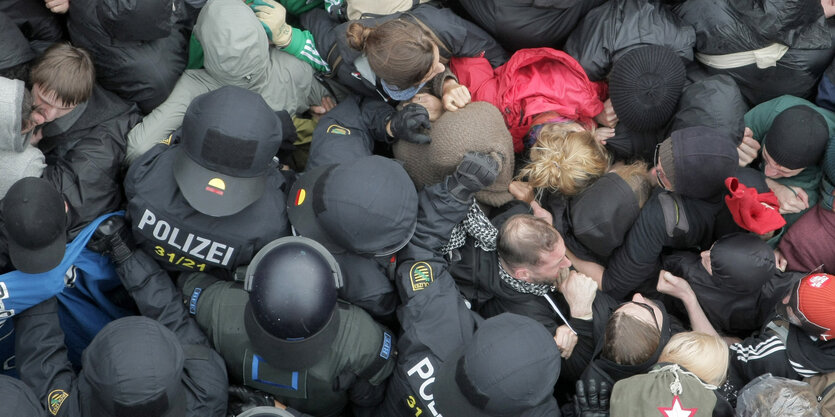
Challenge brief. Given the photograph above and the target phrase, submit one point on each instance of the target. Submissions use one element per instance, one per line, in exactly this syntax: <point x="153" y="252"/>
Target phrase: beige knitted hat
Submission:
<point x="478" y="127"/>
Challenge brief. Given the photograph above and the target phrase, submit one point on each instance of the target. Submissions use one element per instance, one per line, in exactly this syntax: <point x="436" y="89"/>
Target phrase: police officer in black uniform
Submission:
<point x="211" y="195"/>
<point x="285" y="333"/>
<point x="451" y="361"/>
<point x="157" y="365"/>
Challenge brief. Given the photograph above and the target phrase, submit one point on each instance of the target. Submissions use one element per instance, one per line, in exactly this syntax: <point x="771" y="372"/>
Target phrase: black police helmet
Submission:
<point x="291" y="316"/>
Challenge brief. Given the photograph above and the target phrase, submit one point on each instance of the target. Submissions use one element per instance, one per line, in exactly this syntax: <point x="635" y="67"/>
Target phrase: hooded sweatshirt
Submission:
<point x="740" y="295"/>
<point x="236" y="52"/>
<point x="19" y="158"/>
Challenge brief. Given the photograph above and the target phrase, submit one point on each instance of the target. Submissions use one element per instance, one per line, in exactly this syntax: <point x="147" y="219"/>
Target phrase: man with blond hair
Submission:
<point x="81" y="131"/>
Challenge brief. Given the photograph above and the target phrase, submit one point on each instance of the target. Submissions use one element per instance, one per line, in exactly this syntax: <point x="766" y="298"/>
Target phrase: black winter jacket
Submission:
<point x="43" y="364"/>
<point x="614" y="28"/>
<point x="84" y="163"/>
<point x="638" y="260"/>
<point x="528" y="23"/>
<point x="139" y="48"/>
<point x="724" y="27"/>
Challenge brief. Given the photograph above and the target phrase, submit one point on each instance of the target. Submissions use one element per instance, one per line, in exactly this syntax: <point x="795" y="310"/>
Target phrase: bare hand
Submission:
<point x="792" y="199"/>
<point x="57" y="6"/>
<point x="521" y="191"/>
<point x="328" y="103"/>
<point x="748" y="149"/>
<point x="780" y="260"/>
<point x="672" y="285"/>
<point x="456" y="96"/>
<point x="607" y="117"/>
<point x="431" y="103"/>
<point x="601" y="134"/>
<point x="540" y="212"/>
<point x="565" y="340"/>
<point x="579" y="291"/>
<point x="36" y="137"/>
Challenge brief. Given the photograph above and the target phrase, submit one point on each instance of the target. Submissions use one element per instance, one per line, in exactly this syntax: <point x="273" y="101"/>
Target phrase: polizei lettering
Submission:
<point x="189" y="243"/>
<point x="425" y="372"/>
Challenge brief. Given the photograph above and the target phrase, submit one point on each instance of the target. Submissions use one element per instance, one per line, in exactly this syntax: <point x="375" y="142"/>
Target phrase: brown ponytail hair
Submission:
<point x="398" y="51"/>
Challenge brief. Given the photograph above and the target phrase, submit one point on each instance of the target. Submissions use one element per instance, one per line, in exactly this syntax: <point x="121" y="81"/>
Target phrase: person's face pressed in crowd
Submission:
<point x="47" y="106"/>
<point x="644" y="310"/>
<point x="792" y="317"/>
<point x="774" y="170"/>
<point x="437" y="66"/>
<point x="547" y="270"/>
<point x="658" y="171"/>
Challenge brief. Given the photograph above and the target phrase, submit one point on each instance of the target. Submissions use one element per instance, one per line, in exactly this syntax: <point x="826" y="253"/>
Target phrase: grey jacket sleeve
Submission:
<point x="168" y="116"/>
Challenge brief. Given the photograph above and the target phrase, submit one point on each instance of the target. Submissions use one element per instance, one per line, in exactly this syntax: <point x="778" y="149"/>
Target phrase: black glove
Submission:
<point x="243" y="398"/>
<point x="592" y="399"/>
<point x="476" y="171"/>
<point x="411" y="123"/>
<point x="113" y="237"/>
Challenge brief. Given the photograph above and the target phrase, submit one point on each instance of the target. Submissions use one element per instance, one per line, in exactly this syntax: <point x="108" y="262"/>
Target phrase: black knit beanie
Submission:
<point x="797" y="137"/>
<point x="703" y="157"/>
<point x="645" y="85"/>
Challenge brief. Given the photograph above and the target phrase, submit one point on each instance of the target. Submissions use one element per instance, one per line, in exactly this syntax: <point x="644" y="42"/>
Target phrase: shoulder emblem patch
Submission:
<point x="421" y="276"/>
<point x="339" y="130"/>
<point x="56" y="400"/>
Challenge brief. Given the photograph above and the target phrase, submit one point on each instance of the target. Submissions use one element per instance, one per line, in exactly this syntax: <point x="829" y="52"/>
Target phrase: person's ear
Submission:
<point x="522" y="274"/>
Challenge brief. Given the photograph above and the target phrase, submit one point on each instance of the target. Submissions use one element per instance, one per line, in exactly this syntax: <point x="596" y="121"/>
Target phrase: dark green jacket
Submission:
<point x="361" y="357"/>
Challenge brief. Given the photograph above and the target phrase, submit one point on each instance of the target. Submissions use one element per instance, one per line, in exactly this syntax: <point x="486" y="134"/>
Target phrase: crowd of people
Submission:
<point x="251" y="208"/>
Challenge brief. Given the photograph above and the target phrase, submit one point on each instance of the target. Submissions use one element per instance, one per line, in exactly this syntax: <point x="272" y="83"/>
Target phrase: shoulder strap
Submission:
<point x="675" y="218"/>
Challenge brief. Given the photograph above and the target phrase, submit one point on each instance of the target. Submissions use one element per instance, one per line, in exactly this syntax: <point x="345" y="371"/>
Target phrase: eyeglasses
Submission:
<point x="646" y="307"/>
<point x="658" y="172"/>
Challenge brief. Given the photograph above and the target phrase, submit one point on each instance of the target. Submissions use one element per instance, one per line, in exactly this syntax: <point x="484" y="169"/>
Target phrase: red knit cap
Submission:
<point x="816" y="302"/>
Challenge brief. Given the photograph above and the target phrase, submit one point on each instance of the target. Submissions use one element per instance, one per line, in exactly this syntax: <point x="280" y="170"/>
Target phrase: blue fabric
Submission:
<point x="826" y="94"/>
<point x="84" y="308"/>
<point x="398" y="94"/>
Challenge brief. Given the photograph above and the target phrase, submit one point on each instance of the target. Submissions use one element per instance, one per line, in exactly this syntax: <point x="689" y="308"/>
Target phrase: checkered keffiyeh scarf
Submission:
<point x="484" y="233"/>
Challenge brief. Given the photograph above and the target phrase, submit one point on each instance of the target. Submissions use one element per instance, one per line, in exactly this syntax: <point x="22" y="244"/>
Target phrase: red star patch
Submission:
<point x="675" y="410"/>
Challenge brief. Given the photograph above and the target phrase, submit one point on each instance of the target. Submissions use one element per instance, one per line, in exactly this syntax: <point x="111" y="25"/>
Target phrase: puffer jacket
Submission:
<point x="14" y="46"/>
<point x="40" y="26"/>
<point x="139" y="48"/>
<point x="528" y="23"/>
<point x="616" y="27"/>
<point x="727" y="27"/>
<point x="236" y="52"/>
<point x="533" y="81"/>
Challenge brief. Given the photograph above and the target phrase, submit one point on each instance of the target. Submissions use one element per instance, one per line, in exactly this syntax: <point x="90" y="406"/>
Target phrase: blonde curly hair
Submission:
<point x="564" y="160"/>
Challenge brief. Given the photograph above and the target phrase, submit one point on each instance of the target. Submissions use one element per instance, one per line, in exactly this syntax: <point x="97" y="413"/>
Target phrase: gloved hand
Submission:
<point x="243" y="398"/>
<point x="592" y="399"/>
<point x="273" y="17"/>
<point x="476" y="171"/>
<point x="113" y="237"/>
<point x="410" y="124"/>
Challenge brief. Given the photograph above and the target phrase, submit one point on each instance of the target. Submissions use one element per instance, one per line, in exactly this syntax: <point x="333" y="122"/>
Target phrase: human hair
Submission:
<point x="564" y="161"/>
<point x="26" y="106"/>
<point x="703" y="354"/>
<point x="635" y="175"/>
<point x="67" y="71"/>
<point x="18" y="72"/>
<point x="400" y="52"/>
<point x="522" y="239"/>
<point x="629" y="340"/>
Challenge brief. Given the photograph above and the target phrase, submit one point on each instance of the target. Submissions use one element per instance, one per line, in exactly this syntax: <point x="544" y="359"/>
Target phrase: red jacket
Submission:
<point x="533" y="81"/>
